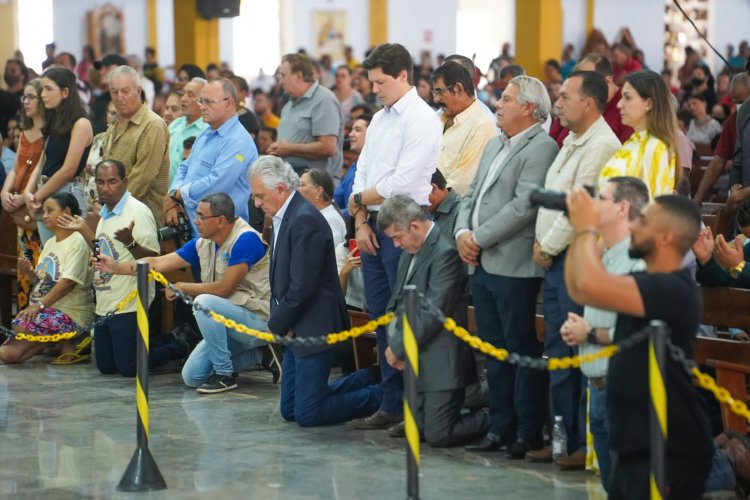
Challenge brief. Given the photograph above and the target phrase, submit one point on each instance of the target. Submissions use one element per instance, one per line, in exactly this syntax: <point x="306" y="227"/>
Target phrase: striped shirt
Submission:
<point x="645" y="157"/>
<point x="142" y="147"/>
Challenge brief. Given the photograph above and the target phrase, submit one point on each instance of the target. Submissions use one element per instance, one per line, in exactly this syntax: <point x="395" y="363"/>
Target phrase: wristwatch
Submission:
<point x="544" y="255"/>
<point x="173" y="194"/>
<point x="737" y="270"/>
<point x="358" y="199"/>
<point x="591" y="337"/>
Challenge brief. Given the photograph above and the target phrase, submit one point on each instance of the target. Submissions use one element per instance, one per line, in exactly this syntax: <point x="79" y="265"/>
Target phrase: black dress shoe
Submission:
<point x="378" y="420"/>
<point x="490" y="442"/>
<point x="519" y="449"/>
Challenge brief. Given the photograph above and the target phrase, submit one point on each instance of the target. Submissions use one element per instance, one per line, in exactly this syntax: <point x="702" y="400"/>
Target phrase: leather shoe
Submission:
<point x="520" y="448"/>
<point x="490" y="442"/>
<point x="574" y="461"/>
<point x="543" y="455"/>
<point x="397" y="431"/>
<point x="378" y="420"/>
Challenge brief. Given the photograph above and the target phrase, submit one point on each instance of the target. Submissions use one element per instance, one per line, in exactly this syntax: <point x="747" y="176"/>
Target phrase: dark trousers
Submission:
<point x="564" y="385"/>
<point x="308" y="399"/>
<point x="115" y="346"/>
<point x="380" y="278"/>
<point x="505" y="312"/>
<point x="686" y="476"/>
<point x="440" y="421"/>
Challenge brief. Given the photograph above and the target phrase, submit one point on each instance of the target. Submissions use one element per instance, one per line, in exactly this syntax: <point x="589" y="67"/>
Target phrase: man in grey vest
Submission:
<point x="233" y="261"/>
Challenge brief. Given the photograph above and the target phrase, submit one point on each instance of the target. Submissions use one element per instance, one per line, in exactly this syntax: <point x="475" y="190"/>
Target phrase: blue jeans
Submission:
<point x="308" y="399"/>
<point x="223" y="350"/>
<point x="380" y="278"/>
<point x="599" y="425"/>
<point x="564" y="385"/>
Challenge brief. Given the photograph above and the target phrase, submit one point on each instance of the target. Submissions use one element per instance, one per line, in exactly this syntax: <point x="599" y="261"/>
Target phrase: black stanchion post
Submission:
<point x="657" y="372"/>
<point x="142" y="473"/>
<point x="411" y="374"/>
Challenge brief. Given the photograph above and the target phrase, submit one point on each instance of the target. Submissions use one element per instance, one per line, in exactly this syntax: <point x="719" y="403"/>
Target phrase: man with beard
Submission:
<point x="466" y="127"/>
<point x="662" y="235"/>
<point x="16" y="75"/>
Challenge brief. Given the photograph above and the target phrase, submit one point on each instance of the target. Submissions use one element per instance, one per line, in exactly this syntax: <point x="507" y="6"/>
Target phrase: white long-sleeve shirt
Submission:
<point x="401" y="151"/>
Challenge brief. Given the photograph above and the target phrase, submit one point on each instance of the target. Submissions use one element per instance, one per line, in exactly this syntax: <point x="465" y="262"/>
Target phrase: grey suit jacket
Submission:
<point x="445" y="362"/>
<point x="506" y="220"/>
<point x="740" y="173"/>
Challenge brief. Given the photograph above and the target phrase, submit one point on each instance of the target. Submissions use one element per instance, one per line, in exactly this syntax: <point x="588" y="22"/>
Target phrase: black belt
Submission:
<point x="598" y="382"/>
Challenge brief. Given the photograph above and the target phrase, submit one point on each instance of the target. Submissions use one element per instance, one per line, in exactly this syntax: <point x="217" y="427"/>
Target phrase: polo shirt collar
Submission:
<point x="105" y="213"/>
<point x="139" y="115"/>
<point x="465" y="114"/>
<point x="576" y="140"/>
<point x="309" y="93"/>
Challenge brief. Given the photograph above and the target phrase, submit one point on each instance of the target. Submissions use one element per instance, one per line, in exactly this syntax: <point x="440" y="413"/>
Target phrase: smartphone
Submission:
<point x="352" y="246"/>
<point x="95" y="244"/>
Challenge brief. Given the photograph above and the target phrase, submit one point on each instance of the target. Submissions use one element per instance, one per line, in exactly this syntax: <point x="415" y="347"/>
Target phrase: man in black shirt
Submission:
<point x="661" y="236"/>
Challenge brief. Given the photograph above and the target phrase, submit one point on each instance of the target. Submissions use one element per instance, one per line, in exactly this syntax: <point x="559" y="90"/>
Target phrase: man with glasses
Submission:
<point x="220" y="157"/>
<point x="190" y="124"/>
<point x="583" y="98"/>
<point x="233" y="262"/>
<point x="466" y="127"/>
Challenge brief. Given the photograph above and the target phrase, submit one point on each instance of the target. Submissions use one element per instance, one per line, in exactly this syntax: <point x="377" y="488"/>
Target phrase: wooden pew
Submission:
<point x="727" y="307"/>
<point x="365" y="352"/>
<point x="8" y="267"/>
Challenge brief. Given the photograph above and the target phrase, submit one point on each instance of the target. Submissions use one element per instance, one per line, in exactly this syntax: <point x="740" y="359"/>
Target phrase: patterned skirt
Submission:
<point x="49" y="321"/>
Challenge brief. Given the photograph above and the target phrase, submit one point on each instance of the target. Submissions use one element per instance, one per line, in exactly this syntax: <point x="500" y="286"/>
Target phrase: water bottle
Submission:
<point x="559" y="439"/>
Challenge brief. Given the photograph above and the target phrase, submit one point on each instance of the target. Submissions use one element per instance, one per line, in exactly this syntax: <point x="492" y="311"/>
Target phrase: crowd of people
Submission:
<point x="298" y="198"/>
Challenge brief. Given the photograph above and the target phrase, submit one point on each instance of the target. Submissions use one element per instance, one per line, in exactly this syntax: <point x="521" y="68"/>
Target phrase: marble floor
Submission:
<point x="69" y="433"/>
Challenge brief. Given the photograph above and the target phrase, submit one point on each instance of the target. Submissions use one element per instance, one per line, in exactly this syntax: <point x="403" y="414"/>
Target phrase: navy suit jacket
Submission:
<point x="306" y="296"/>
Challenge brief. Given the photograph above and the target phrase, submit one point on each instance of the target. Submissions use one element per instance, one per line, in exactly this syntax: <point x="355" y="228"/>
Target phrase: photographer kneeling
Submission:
<point x="661" y="236"/>
<point x="233" y="262"/>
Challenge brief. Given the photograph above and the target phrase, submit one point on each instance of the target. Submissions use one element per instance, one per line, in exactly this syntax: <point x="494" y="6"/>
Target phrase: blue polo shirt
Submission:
<point x="218" y="163"/>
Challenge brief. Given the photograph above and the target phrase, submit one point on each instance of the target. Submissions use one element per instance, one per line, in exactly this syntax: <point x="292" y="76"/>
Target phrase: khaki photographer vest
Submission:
<point x="254" y="291"/>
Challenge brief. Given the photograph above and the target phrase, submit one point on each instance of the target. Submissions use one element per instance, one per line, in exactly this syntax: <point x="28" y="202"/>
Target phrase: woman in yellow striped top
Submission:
<point x="651" y="153"/>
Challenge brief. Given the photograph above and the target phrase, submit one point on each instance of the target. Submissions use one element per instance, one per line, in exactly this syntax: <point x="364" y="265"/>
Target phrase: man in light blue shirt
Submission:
<point x="219" y="160"/>
<point x="621" y="200"/>
<point x="191" y="124"/>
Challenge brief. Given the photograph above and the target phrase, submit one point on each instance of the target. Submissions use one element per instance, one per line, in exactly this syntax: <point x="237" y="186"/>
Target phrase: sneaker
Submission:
<point x="218" y="383"/>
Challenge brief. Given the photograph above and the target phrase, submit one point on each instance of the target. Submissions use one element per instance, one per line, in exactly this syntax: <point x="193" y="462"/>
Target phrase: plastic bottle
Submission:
<point x="559" y="439"/>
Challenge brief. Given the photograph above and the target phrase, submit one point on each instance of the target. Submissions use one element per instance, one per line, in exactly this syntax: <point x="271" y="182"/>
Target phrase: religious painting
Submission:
<point x="329" y="33"/>
<point x="106" y="30"/>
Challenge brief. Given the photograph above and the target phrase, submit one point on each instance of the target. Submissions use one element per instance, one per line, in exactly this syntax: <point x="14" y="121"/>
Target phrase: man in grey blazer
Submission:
<point x="446" y="366"/>
<point x="495" y="236"/>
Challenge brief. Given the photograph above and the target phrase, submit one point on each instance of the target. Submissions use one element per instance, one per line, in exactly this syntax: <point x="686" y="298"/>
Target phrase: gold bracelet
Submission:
<point x="585" y="231"/>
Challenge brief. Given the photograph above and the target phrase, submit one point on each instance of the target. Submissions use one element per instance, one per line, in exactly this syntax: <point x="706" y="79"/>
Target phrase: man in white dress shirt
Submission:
<point x="399" y="157"/>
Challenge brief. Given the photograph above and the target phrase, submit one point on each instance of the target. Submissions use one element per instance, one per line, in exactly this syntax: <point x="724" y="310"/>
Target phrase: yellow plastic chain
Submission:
<point x="502" y="354"/>
<point x="704" y="380"/>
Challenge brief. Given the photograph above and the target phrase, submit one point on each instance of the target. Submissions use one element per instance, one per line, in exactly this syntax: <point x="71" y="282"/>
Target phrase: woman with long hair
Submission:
<point x="68" y="136"/>
<point x="30" y="146"/>
<point x="651" y="154"/>
<point x="62" y="301"/>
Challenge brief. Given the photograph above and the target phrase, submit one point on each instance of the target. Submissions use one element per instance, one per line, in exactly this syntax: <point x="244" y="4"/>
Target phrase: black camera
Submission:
<point x="552" y="200"/>
<point x="182" y="232"/>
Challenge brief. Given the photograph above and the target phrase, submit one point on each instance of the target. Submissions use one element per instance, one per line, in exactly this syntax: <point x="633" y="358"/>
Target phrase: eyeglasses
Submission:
<point x="440" y="91"/>
<point x="201" y="100"/>
<point x="28" y="97"/>
<point x="199" y="217"/>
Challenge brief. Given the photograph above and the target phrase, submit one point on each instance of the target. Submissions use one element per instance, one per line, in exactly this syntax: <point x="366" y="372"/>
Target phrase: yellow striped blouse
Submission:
<point x="645" y="157"/>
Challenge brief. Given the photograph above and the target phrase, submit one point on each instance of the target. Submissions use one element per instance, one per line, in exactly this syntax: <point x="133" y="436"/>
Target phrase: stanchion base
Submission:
<point x="142" y="473"/>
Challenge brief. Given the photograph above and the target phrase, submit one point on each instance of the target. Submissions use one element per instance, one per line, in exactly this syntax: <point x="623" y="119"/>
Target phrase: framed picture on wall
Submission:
<point x="329" y="33"/>
<point x="106" y="30"/>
